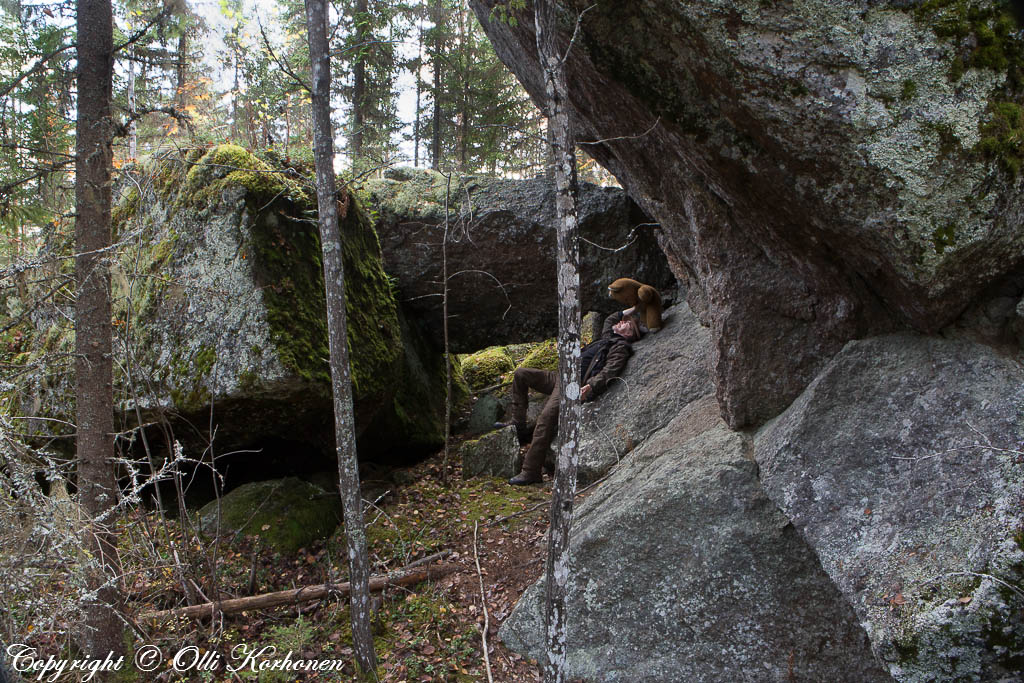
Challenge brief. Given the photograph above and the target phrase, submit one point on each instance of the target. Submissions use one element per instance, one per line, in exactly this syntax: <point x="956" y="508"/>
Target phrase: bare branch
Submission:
<point x="630" y="238"/>
<point x="623" y="137"/>
<point x="575" y="32"/>
<point x="500" y="286"/>
<point x="483" y="603"/>
<point x="280" y="63"/>
<point x="138" y="35"/>
<point x="181" y="117"/>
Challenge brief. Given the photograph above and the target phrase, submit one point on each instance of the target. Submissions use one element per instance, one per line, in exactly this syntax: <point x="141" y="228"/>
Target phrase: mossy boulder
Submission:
<point x="486" y="367"/>
<point x="235" y="312"/>
<point x="287" y="514"/>
<point x="543" y="356"/>
<point x="219" y="305"/>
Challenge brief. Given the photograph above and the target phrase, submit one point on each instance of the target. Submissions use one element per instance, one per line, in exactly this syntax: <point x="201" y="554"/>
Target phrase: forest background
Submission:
<point x="415" y="83"/>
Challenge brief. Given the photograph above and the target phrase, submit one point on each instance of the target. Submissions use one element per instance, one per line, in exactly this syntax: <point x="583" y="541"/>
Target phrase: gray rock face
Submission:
<point x="501" y="253"/>
<point x="486" y="411"/>
<point x="224" y="290"/>
<point x="902" y="466"/>
<point x="494" y="455"/>
<point x="822" y="170"/>
<point x="685" y="570"/>
<point x="667" y="371"/>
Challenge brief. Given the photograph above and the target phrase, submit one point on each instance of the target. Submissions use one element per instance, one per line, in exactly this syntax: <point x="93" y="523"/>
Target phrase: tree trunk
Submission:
<point x="359" y="81"/>
<point x="181" y="67"/>
<point x="419" y="93"/>
<point x="464" y="60"/>
<point x="334" y="283"/>
<point x="435" y="133"/>
<point x="570" y="408"/>
<point x="133" y="128"/>
<point x="93" y="330"/>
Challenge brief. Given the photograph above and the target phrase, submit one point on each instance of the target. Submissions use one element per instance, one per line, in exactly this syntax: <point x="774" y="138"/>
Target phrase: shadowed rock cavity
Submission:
<point x="501" y="252"/>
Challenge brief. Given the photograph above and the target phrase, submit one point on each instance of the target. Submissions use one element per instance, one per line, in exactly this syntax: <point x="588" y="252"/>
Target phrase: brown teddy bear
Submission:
<point x="643" y="298"/>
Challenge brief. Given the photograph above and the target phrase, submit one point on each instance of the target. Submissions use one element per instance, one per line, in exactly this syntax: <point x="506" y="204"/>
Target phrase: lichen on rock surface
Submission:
<point x="901" y="466"/>
<point x="821" y="171"/>
<point x="219" y="304"/>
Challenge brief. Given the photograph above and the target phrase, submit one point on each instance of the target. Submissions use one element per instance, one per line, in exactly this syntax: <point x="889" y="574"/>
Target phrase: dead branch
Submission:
<point x="483" y="603"/>
<point x="304" y="594"/>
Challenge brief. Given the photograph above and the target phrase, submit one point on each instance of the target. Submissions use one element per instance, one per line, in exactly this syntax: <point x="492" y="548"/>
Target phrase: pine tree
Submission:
<point x="482" y="119"/>
<point x="93" y="328"/>
<point x="371" y="58"/>
<point x="36" y="125"/>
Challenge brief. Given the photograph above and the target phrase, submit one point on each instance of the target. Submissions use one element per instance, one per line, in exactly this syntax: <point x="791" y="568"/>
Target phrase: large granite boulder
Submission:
<point x="666" y="372"/>
<point x="683" y="569"/>
<point x="821" y="171"/>
<point x="501" y="252"/>
<point x="902" y="465"/>
<point x="221" y="321"/>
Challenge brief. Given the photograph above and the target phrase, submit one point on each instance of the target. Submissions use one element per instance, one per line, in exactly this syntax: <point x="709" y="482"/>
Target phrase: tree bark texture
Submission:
<point x="93" y="328"/>
<point x="133" y="128"/>
<point x="181" y="67"/>
<point x="334" y="283"/>
<point x="359" y="80"/>
<point x="436" y="65"/>
<point x="570" y="409"/>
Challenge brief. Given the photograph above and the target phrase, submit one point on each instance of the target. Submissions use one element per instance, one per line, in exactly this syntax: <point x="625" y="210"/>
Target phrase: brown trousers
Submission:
<point x="546" y="382"/>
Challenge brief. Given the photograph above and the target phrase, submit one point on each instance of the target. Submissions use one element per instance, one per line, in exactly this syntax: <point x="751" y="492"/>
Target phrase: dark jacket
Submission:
<point x="612" y="353"/>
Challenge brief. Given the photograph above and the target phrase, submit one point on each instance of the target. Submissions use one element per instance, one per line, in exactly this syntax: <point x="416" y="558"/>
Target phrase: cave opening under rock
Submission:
<point x="203" y="477"/>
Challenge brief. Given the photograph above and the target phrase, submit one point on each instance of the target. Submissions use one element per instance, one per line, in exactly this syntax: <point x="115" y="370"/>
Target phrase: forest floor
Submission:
<point x="426" y="632"/>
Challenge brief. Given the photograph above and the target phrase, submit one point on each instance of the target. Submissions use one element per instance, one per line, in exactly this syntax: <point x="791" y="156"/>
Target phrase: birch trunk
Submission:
<point x="93" y="329"/>
<point x="570" y="410"/>
<point x="334" y="283"/>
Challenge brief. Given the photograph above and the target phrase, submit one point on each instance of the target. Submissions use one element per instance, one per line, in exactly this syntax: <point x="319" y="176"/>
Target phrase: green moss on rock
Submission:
<point x="1003" y="136"/>
<point x="543" y="356"/>
<point x="230" y="165"/>
<point x="287" y="514"/>
<point x="484" y="368"/>
<point x="984" y="35"/>
<point x="944" y="237"/>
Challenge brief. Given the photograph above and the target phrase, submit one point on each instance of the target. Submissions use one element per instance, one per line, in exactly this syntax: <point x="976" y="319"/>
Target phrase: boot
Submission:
<point x="524" y="478"/>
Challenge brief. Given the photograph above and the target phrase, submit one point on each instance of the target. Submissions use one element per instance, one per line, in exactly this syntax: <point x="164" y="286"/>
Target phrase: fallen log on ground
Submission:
<point x="305" y="594"/>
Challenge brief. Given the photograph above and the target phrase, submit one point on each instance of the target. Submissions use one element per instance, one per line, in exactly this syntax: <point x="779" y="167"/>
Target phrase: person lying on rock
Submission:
<point x="600" y="362"/>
